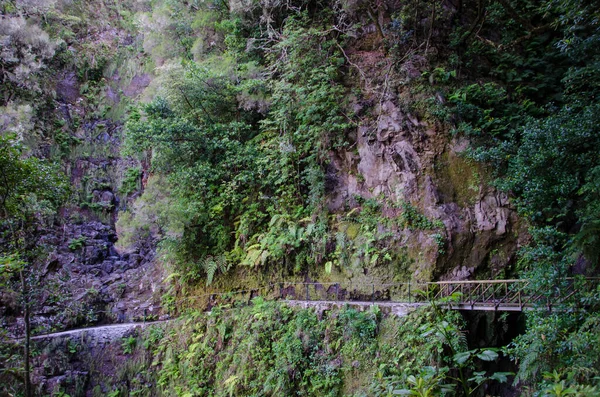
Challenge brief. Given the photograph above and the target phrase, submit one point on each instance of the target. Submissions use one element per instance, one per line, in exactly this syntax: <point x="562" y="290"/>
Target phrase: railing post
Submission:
<point x="409" y="297"/>
<point x="337" y="292"/>
<point x="471" y="296"/>
<point x="307" y="295"/>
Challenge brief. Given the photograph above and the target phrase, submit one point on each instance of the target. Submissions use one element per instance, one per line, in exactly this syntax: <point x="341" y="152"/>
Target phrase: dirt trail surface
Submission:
<point x="100" y="333"/>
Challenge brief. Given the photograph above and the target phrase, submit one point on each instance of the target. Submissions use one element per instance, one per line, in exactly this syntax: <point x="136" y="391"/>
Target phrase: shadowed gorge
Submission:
<point x="276" y="198"/>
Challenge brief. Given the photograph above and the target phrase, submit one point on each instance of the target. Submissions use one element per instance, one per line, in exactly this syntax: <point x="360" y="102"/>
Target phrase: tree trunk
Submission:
<point x="374" y="15"/>
<point x="27" y="335"/>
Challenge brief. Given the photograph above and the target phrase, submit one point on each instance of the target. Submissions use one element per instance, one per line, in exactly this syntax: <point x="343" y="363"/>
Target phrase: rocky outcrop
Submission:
<point x="77" y="361"/>
<point x="399" y="158"/>
<point x="96" y="279"/>
<point x="86" y="279"/>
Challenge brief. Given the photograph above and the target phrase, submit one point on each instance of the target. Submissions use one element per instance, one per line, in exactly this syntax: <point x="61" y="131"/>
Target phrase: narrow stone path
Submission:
<point x="389" y="308"/>
<point x="497" y="295"/>
<point x="100" y="333"/>
<point x="107" y="333"/>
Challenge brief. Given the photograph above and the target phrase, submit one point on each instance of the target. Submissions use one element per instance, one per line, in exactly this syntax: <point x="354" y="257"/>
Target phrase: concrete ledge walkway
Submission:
<point x="102" y="333"/>
<point x="387" y="308"/>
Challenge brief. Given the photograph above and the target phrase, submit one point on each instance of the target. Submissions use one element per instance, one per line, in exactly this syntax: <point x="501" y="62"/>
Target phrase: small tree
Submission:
<point x="25" y="50"/>
<point x="30" y="193"/>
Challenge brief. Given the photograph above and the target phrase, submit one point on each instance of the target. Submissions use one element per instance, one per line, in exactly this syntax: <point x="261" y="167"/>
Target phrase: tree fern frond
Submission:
<point x="462" y="341"/>
<point x="221" y="263"/>
<point x="213" y="264"/>
<point x="210" y="266"/>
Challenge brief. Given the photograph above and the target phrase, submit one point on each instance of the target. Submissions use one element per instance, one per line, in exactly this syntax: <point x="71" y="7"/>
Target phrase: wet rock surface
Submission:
<point x="85" y="279"/>
<point x="400" y="158"/>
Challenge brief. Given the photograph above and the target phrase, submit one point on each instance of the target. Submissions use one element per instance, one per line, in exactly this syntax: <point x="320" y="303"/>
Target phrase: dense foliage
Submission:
<point x="271" y="349"/>
<point x="247" y="154"/>
<point x="250" y="103"/>
<point x="30" y="195"/>
<point x="535" y="117"/>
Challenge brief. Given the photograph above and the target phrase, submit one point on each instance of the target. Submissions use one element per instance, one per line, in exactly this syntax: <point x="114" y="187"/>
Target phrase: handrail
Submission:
<point x="477" y="281"/>
<point x="509" y="294"/>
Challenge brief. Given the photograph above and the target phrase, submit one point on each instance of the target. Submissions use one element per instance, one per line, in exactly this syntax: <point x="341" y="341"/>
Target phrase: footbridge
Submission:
<point x="514" y="295"/>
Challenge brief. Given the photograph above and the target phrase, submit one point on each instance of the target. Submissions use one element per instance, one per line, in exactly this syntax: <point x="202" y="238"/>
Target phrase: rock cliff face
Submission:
<point x="96" y="283"/>
<point x="85" y="279"/>
<point x="399" y="158"/>
<point x="101" y="284"/>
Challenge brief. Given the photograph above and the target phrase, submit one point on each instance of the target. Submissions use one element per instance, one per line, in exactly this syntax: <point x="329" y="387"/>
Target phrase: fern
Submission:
<point x="231" y="384"/>
<point x="588" y="239"/>
<point x="212" y="265"/>
<point x="342" y="248"/>
<point x="256" y="255"/>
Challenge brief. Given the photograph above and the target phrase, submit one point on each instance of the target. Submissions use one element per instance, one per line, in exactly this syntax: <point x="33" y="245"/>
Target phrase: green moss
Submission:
<point x="459" y="178"/>
<point x="351" y="229"/>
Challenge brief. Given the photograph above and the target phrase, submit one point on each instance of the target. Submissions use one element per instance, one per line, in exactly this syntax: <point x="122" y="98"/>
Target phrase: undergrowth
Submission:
<point x="271" y="349"/>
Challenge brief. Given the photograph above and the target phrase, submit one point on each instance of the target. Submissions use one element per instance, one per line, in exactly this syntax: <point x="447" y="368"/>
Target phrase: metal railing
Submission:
<point x="498" y="295"/>
<point x="508" y="295"/>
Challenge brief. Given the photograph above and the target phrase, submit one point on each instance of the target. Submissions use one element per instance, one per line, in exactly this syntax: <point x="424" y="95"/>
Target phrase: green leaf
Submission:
<point x="487" y="355"/>
<point x="478" y="377"/>
<point x="463" y="357"/>
<point x="374" y="259"/>
<point x="501" y="376"/>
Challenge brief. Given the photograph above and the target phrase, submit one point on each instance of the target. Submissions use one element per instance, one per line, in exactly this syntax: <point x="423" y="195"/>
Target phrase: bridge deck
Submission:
<point x="484" y="295"/>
